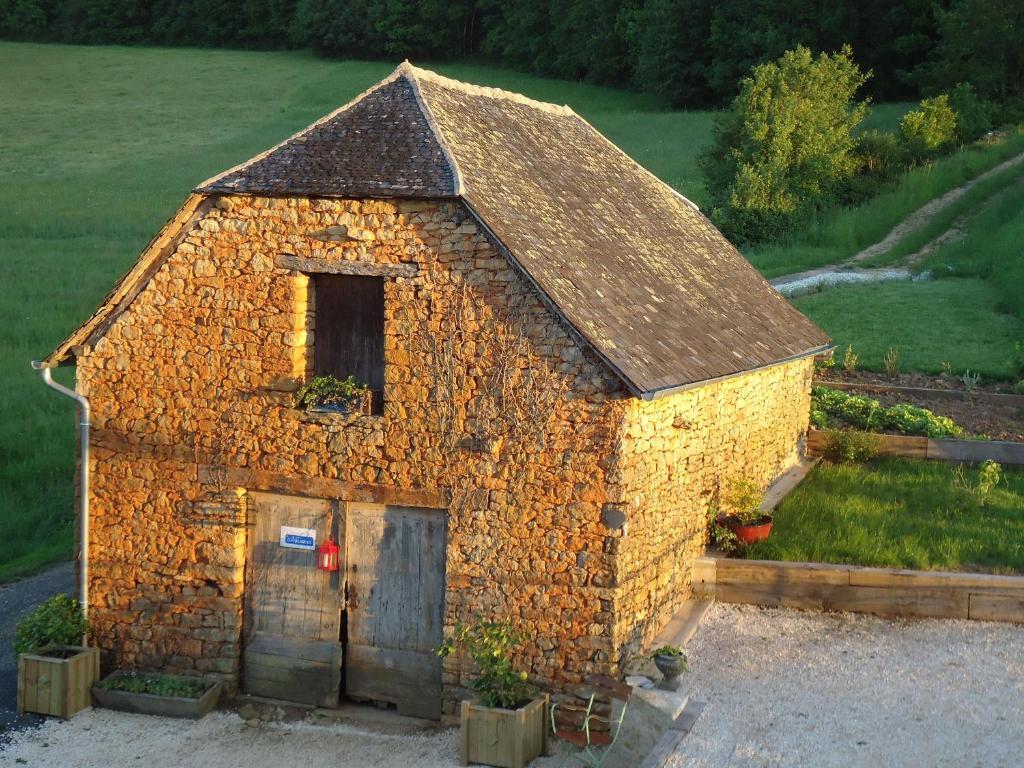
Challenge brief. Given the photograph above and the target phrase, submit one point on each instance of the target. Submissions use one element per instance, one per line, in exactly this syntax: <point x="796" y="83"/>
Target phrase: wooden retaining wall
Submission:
<point x="944" y="449"/>
<point x="881" y="591"/>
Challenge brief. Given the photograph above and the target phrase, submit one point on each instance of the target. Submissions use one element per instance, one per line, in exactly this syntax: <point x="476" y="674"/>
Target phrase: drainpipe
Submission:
<point x="83" y="491"/>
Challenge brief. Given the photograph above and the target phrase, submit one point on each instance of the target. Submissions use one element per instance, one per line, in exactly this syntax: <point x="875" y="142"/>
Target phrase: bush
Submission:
<point x="58" y="621"/>
<point x="785" y="148"/>
<point x="849" y="446"/>
<point x="973" y="113"/>
<point x="880" y="154"/>
<point x="930" y="129"/>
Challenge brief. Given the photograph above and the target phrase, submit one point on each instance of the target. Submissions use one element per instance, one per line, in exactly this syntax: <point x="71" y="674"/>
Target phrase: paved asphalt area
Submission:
<point x="17" y="599"/>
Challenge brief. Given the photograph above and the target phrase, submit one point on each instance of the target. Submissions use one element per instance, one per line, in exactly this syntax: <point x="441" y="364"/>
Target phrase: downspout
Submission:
<point x="83" y="491"/>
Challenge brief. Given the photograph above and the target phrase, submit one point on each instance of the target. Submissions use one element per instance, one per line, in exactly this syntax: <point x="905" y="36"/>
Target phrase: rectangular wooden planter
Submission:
<point x="50" y="685"/>
<point x="151" y="704"/>
<point x="506" y="738"/>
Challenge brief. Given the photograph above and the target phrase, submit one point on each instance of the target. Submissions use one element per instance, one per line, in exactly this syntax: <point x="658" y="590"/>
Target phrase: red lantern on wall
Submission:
<point x="327" y="555"/>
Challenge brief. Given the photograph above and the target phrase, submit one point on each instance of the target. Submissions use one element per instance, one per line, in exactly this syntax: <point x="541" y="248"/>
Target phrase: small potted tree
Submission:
<point x="331" y="394"/>
<point x="55" y="669"/>
<point x="505" y="725"/>
<point x="741" y="515"/>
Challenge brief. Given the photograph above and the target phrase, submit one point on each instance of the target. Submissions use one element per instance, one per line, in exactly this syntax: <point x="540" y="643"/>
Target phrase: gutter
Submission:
<point x="83" y="492"/>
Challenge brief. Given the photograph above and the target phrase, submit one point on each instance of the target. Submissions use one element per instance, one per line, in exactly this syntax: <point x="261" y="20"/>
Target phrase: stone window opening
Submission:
<point x="348" y="335"/>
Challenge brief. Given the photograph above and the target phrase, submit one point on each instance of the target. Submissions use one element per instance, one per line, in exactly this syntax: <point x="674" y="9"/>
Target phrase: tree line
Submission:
<point x="692" y="53"/>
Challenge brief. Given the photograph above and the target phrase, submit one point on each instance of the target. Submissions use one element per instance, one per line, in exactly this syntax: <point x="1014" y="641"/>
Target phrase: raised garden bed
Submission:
<point x="995" y="415"/>
<point x="151" y="693"/>
<point x="882" y="591"/>
<point x="900" y="513"/>
<point x="942" y="449"/>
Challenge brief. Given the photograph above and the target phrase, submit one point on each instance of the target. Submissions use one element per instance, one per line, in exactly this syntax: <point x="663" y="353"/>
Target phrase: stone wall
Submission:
<point x="191" y="391"/>
<point x="675" y="453"/>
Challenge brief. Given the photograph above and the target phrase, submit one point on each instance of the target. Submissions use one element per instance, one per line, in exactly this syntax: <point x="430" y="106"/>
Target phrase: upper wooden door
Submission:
<point x="395" y="560"/>
<point x="292" y="646"/>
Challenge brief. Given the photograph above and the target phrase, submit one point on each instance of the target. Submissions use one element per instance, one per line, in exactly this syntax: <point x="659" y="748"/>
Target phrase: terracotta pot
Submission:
<point x="748" y="534"/>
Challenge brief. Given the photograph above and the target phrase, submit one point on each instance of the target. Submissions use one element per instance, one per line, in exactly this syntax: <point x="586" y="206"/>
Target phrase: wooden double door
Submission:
<point x="369" y="630"/>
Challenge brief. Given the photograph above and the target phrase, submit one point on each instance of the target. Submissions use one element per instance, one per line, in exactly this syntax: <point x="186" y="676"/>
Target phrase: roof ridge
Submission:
<point x="412" y="74"/>
<point x="330" y="116"/>
<point x="484" y="90"/>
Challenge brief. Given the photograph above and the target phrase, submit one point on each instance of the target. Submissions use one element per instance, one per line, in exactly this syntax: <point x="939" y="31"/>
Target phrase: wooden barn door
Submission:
<point x="395" y="606"/>
<point x="292" y="648"/>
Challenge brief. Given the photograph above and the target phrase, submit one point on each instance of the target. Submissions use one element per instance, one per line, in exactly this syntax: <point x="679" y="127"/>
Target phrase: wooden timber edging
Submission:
<point x="881" y="591"/>
<point x="995" y="398"/>
<point x="942" y="449"/>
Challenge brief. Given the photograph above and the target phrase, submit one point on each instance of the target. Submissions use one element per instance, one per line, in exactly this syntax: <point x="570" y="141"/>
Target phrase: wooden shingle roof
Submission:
<point x="639" y="273"/>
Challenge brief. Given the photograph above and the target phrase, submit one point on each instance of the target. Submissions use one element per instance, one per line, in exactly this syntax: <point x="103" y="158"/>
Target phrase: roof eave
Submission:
<point x="657" y="394"/>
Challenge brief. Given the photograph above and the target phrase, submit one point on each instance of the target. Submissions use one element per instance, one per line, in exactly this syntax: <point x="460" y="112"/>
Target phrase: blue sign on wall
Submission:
<point x="298" y="538"/>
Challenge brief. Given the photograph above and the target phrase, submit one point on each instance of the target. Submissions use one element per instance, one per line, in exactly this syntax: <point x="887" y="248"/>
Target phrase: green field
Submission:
<point x="941" y="321"/>
<point x="837" y="235"/>
<point x="899" y="514"/>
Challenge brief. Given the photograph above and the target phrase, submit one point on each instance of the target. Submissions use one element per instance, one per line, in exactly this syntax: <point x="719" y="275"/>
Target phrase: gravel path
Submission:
<point x="791" y="688"/>
<point x="17" y="599"/>
<point x="783" y="688"/>
<point x="99" y="738"/>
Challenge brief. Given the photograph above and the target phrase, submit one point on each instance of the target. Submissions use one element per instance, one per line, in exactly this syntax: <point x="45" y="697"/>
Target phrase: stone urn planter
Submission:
<point x="506" y="738"/>
<point x="157" y="694"/>
<point x="671" y="662"/>
<point x="56" y="679"/>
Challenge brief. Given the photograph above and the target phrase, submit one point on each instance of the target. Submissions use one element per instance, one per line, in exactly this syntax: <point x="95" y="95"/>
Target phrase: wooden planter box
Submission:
<point x="151" y="704"/>
<point x="507" y="738"/>
<point x="51" y="685"/>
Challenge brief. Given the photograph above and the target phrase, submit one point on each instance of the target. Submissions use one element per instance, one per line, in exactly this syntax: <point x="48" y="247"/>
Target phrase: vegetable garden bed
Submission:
<point x="995" y="415"/>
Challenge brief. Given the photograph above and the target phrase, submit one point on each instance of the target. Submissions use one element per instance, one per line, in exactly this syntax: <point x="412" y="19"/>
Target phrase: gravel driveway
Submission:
<point x="17" y="599"/>
<point x="783" y="688"/>
<point x="792" y="688"/>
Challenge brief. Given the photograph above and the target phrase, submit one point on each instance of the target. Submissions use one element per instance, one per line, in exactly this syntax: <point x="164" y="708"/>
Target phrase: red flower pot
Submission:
<point x="748" y="534"/>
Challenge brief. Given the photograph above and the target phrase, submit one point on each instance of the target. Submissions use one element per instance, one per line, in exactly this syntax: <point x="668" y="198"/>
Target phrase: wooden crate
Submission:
<point x="49" y="685"/>
<point x="506" y="738"/>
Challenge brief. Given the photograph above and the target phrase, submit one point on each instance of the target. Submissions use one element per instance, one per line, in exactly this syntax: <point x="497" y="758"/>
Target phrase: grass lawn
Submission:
<point x="902" y="514"/>
<point x="991" y="250"/>
<point x="837" y="235"/>
<point x="932" y="322"/>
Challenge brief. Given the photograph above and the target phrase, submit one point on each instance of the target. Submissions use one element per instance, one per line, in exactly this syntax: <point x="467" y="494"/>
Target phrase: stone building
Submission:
<point x="568" y="361"/>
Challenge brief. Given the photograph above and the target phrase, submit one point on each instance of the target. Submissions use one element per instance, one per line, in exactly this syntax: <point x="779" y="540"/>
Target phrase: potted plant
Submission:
<point x="671" y="662"/>
<point x="505" y="725"/>
<point x="153" y="693"/>
<point x="740" y="513"/>
<point x="329" y="393"/>
<point x="55" y="669"/>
